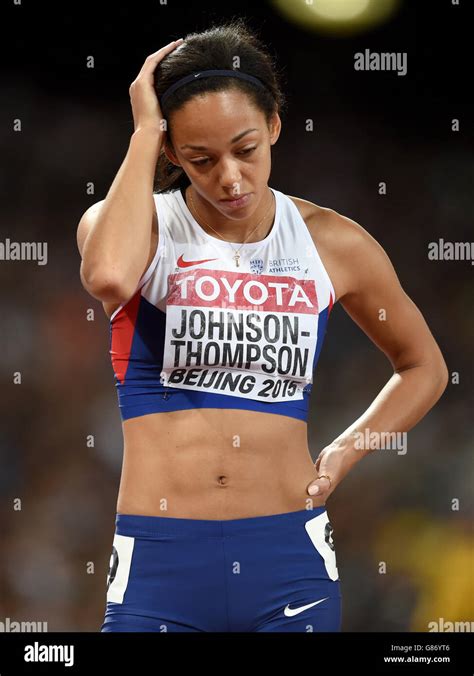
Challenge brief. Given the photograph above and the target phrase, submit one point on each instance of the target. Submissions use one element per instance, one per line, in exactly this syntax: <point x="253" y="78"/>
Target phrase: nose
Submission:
<point x="230" y="177"/>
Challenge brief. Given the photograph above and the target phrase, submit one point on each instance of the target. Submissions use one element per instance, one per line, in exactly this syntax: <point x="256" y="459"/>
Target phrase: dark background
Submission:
<point x="369" y="127"/>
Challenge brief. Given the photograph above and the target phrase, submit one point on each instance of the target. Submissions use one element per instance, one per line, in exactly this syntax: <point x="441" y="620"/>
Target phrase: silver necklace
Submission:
<point x="236" y="255"/>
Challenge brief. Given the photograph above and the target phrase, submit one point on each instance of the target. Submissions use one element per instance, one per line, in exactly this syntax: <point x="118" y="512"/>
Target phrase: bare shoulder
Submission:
<point x="336" y="238"/>
<point x="329" y="226"/>
<point x="87" y="222"/>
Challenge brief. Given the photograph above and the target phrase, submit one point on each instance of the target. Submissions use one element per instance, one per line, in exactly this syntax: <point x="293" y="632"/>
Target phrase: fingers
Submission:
<point x="145" y="105"/>
<point x="152" y="60"/>
<point x="167" y="48"/>
<point x="320" y="486"/>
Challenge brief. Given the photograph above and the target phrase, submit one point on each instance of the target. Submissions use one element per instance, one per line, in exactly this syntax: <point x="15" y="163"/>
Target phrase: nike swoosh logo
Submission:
<point x="289" y="612"/>
<point x="186" y="264"/>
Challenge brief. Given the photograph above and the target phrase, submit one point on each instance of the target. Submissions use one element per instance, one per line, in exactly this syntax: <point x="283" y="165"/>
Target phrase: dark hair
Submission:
<point x="216" y="47"/>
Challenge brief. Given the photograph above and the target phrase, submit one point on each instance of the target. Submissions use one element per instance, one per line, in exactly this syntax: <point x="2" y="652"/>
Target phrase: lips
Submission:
<point x="234" y="199"/>
<point x="239" y="203"/>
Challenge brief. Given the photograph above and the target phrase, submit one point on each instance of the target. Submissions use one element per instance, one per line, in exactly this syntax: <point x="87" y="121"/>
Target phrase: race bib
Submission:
<point x="232" y="333"/>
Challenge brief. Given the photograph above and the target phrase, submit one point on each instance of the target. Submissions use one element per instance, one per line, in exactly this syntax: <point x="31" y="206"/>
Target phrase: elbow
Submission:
<point x="104" y="287"/>
<point x="433" y="371"/>
<point x="442" y="372"/>
<point x="439" y="376"/>
<point x="443" y="375"/>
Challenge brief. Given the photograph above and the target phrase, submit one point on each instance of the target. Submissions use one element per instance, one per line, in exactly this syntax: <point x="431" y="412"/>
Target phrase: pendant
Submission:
<point x="236" y="258"/>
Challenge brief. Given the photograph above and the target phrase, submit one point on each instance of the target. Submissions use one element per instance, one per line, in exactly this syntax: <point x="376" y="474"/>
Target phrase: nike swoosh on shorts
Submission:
<point x="289" y="612"/>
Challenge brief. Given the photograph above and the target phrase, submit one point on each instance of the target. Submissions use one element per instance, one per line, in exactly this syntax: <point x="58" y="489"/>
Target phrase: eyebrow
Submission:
<point x="234" y="140"/>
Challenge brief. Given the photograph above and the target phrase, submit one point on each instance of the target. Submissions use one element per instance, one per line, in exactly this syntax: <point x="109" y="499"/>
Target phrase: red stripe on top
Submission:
<point x="331" y="303"/>
<point x="123" y="328"/>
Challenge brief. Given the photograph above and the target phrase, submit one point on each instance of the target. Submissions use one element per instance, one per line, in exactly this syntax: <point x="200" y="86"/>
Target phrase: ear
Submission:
<point x="169" y="152"/>
<point x="275" y="128"/>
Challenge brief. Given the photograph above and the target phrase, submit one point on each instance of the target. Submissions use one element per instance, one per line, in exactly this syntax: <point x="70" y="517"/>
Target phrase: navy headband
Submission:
<point x="209" y="73"/>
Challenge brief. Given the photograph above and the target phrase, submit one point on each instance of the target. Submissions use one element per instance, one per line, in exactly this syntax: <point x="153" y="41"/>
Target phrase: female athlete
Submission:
<point x="218" y="289"/>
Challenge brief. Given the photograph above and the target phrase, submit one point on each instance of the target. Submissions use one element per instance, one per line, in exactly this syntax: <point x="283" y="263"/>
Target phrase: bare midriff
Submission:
<point x="215" y="464"/>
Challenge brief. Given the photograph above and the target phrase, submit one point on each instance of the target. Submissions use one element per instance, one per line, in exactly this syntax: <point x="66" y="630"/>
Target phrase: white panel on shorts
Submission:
<point x="316" y="528"/>
<point x="124" y="545"/>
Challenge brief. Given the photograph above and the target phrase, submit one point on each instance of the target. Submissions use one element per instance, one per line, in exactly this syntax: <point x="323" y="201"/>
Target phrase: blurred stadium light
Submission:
<point x="337" y="17"/>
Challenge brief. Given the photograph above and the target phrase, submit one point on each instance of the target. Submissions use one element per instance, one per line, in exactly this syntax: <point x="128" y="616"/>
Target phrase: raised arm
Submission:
<point x="114" y="235"/>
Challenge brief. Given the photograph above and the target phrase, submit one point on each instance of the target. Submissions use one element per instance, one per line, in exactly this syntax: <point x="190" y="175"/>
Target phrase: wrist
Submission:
<point x="146" y="142"/>
<point x="148" y="130"/>
<point x="349" y="443"/>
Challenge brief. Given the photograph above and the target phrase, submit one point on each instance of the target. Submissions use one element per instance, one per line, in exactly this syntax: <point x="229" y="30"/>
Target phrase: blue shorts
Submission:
<point x="263" y="573"/>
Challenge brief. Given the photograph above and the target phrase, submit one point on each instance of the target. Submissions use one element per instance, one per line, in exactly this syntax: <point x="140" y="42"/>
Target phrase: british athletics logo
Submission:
<point x="229" y="333"/>
<point x="256" y="266"/>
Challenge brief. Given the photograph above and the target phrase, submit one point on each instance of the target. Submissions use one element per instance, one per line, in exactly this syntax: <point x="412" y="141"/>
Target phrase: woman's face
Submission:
<point x="222" y="142"/>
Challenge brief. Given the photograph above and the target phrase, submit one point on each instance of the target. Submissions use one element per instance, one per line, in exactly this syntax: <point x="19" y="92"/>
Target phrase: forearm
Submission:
<point x="403" y="401"/>
<point x="117" y="246"/>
